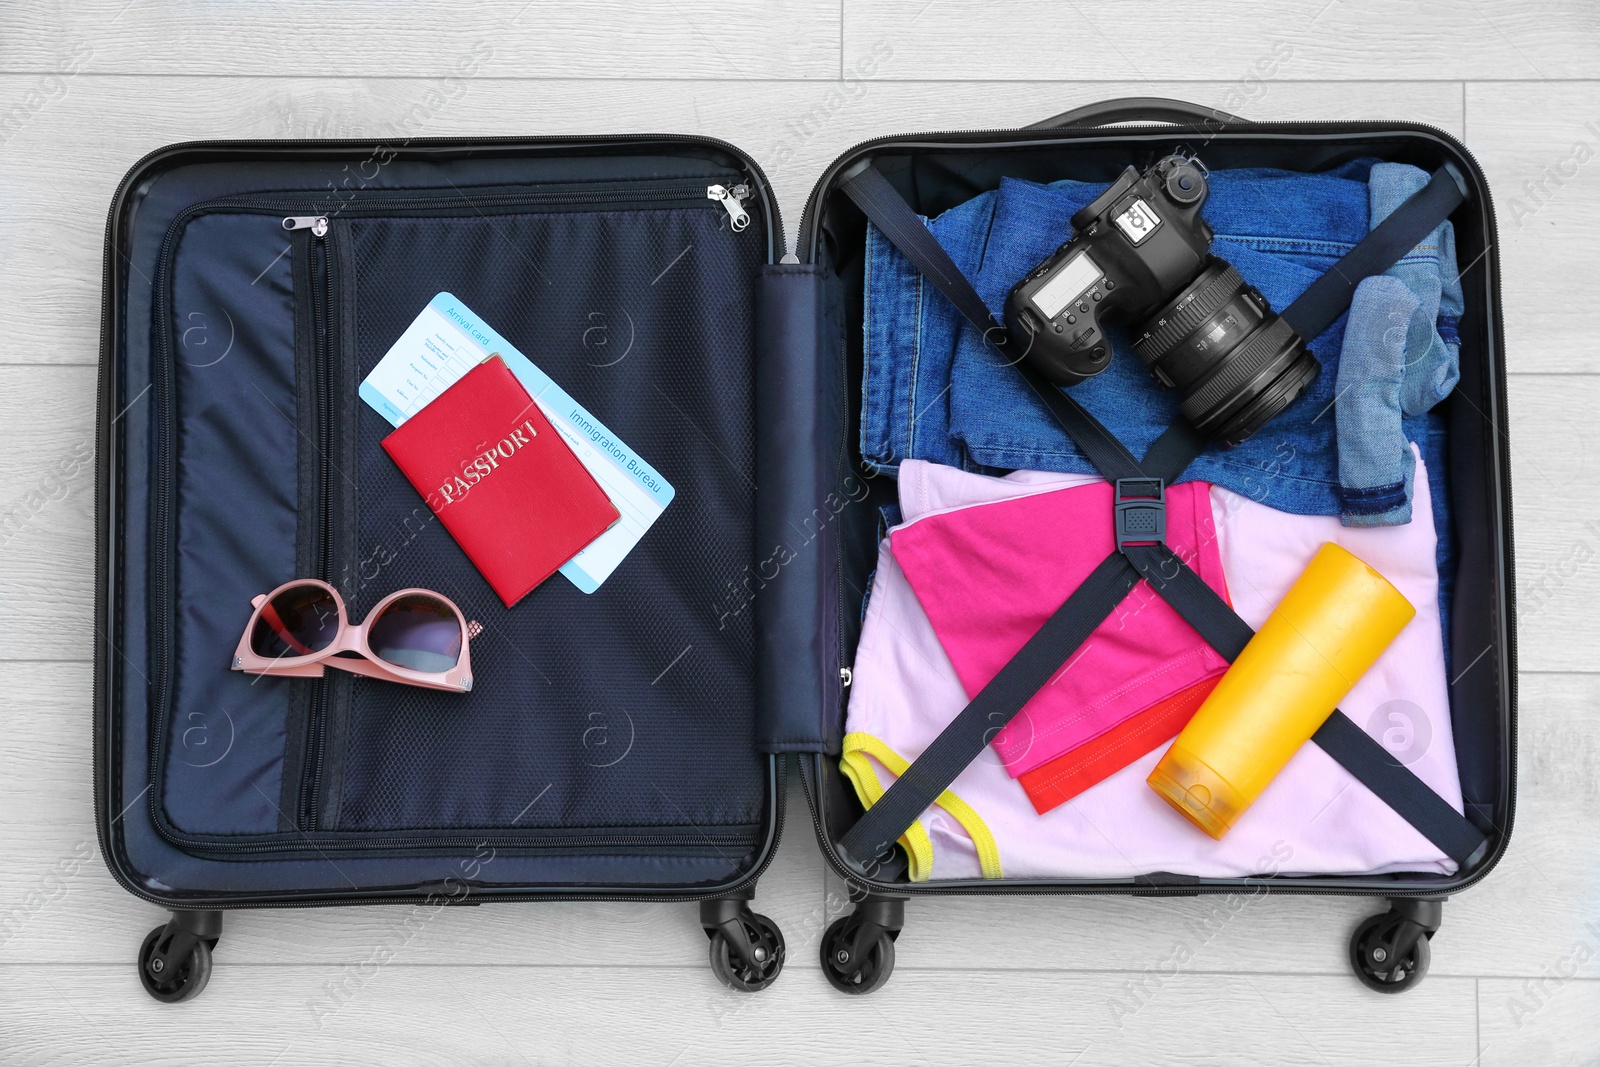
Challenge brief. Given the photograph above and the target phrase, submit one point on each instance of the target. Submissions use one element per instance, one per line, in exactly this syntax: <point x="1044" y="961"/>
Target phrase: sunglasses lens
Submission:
<point x="418" y="632"/>
<point x="297" y="622"/>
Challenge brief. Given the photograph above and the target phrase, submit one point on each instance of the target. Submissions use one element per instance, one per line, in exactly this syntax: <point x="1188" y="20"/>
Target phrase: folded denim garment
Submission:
<point x="1400" y="357"/>
<point x="988" y="576"/>
<point x="1314" y="818"/>
<point x="906" y="400"/>
<point x="1281" y="229"/>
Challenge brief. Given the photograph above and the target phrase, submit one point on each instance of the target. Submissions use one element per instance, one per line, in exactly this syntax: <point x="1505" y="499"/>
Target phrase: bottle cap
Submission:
<point x="1199" y="793"/>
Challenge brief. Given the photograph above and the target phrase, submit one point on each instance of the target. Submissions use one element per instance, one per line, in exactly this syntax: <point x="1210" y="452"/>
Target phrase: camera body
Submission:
<point x="1141" y="253"/>
<point x="1134" y="245"/>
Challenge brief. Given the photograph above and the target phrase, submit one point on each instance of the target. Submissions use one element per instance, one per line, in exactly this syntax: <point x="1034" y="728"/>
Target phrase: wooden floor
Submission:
<point x="86" y="88"/>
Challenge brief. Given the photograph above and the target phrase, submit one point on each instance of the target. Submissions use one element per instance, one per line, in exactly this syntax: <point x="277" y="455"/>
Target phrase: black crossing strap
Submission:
<point x="998" y="702"/>
<point x="1192" y="598"/>
<point x="1171" y="453"/>
<point x="1376" y="768"/>
<point x="1350" y="746"/>
<point x="896" y="220"/>
<point x="995" y="705"/>
<point x="1326" y="298"/>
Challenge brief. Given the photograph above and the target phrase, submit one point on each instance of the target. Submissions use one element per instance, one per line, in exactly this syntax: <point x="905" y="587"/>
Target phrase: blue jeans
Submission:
<point x="935" y="390"/>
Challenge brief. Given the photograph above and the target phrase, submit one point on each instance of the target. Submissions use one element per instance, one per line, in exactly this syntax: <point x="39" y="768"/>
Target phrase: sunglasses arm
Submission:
<point x="305" y="670"/>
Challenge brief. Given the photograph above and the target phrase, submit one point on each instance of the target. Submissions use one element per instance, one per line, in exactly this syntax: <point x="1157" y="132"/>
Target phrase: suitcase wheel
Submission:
<point x="1390" y="952"/>
<point x="857" y="955"/>
<point x="747" y="950"/>
<point x="175" y="959"/>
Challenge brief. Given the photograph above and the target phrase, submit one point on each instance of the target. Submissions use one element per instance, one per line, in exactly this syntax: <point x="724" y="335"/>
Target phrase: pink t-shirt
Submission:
<point x="989" y="576"/>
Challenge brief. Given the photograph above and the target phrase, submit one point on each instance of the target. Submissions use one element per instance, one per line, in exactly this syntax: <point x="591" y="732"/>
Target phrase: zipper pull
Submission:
<point x="733" y="200"/>
<point x="317" y="224"/>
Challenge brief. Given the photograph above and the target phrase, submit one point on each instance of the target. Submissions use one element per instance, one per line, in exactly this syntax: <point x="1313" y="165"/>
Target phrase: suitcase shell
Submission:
<point x="606" y="748"/>
<point x="937" y="171"/>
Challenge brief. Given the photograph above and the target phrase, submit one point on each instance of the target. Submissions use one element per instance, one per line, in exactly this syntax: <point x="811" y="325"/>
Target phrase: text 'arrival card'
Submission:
<point x="447" y="340"/>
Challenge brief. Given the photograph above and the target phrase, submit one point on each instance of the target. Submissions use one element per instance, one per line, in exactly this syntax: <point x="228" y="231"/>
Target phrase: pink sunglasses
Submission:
<point x="413" y="636"/>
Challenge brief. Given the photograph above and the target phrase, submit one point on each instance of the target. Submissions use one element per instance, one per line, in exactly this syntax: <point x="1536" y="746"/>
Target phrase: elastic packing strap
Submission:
<point x="1388" y="242"/>
<point x="964" y="738"/>
<point x="1350" y="746"/>
<point x="904" y="228"/>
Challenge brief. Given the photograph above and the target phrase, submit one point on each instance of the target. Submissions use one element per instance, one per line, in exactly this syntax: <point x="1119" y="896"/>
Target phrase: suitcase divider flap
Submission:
<point x="804" y="484"/>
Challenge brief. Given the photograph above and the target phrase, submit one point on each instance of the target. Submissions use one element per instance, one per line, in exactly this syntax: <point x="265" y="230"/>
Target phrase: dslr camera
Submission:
<point x="1141" y="254"/>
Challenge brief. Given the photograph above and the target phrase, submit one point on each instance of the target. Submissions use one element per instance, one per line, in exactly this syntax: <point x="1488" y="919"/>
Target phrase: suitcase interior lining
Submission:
<point x="936" y="177"/>
<point x="609" y="722"/>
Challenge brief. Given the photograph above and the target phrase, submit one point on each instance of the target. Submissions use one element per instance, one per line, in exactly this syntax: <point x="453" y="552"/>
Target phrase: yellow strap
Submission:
<point x="918" y="845"/>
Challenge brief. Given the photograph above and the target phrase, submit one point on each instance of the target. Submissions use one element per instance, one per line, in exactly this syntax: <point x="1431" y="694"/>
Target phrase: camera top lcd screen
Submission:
<point x="1075" y="275"/>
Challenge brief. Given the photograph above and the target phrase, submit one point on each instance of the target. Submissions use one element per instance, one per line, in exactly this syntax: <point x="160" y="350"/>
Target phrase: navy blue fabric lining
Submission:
<point x="248" y="775"/>
<point x="233" y="328"/>
<point x="633" y="704"/>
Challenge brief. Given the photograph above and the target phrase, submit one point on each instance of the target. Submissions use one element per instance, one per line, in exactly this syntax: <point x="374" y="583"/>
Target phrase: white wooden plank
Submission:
<point x="1538" y="144"/>
<point x="1554" y="442"/>
<point x="1525" y="917"/>
<point x="47" y="511"/>
<point x="46" y="418"/>
<point x="656" y="1016"/>
<point x="53" y="225"/>
<point x="1551" y="1019"/>
<point x="1247" y="44"/>
<point x="524" y="39"/>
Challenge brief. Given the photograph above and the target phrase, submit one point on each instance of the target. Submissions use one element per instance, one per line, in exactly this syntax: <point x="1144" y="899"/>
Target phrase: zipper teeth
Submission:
<point x="458" y="841"/>
<point x="805" y="239"/>
<point x="972" y="138"/>
<point x="322" y="362"/>
<point x="780" y="780"/>
<point x="385" y="203"/>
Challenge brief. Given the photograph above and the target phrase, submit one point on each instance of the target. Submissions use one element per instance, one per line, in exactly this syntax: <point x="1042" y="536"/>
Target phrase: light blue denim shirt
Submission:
<point x="1400" y="357"/>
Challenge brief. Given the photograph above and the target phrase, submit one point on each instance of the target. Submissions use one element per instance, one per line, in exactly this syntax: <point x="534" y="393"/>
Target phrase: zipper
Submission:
<point x="317" y="224"/>
<point x="323" y="340"/>
<point x="805" y="237"/>
<point x="692" y="843"/>
<point x="842" y="466"/>
<point x="733" y="201"/>
<point x="806" y="249"/>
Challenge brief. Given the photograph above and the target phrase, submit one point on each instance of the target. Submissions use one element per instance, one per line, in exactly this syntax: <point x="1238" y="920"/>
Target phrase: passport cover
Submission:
<point x="501" y="479"/>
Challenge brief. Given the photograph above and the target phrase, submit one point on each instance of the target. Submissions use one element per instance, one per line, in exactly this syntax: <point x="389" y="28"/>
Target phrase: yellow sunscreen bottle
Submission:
<point x="1330" y="627"/>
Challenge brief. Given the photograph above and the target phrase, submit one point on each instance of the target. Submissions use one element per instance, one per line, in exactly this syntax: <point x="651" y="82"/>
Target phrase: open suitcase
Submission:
<point x="607" y="746"/>
<point x="631" y="743"/>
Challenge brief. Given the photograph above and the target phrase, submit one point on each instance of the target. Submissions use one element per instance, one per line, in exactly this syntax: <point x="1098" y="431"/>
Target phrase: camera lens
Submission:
<point x="1235" y="361"/>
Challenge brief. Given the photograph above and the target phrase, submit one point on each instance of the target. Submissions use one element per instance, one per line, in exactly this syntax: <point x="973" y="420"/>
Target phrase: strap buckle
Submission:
<point x="1140" y="512"/>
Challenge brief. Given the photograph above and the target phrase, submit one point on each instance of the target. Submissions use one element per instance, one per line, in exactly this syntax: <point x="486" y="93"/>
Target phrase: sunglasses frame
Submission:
<point x="352" y="637"/>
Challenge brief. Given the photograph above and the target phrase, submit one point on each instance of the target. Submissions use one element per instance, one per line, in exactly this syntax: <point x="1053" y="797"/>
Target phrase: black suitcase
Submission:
<point x="934" y="172"/>
<point x="607" y="748"/>
<point x="234" y="456"/>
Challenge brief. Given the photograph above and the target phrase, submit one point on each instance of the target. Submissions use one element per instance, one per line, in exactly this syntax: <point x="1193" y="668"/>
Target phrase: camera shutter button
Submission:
<point x="1184" y="185"/>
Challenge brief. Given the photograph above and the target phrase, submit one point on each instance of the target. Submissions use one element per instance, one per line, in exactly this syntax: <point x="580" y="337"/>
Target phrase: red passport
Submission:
<point x="501" y="479"/>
